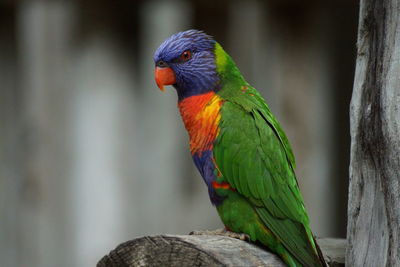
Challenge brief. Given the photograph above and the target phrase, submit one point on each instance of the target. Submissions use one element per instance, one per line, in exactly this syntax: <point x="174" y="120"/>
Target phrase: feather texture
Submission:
<point x="240" y="150"/>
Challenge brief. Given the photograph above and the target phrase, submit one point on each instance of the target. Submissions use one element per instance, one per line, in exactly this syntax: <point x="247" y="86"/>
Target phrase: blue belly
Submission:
<point x="205" y="164"/>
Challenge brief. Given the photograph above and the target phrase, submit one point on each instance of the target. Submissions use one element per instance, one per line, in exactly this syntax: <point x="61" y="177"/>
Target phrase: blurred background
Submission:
<point x="93" y="154"/>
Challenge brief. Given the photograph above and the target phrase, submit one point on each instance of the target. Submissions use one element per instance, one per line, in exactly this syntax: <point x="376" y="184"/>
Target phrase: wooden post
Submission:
<point x="374" y="199"/>
<point x="206" y="250"/>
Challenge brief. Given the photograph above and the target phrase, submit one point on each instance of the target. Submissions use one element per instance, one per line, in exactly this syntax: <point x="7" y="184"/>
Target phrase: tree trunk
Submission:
<point x="205" y="250"/>
<point x="374" y="198"/>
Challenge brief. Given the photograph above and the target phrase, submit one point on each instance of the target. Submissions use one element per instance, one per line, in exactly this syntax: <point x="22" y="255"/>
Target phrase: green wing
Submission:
<point x="255" y="157"/>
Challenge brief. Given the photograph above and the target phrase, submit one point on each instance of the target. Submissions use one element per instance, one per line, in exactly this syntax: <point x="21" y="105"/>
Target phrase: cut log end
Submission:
<point x="205" y="250"/>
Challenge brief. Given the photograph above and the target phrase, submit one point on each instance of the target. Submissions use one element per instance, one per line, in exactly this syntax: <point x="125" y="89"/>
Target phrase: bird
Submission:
<point x="238" y="146"/>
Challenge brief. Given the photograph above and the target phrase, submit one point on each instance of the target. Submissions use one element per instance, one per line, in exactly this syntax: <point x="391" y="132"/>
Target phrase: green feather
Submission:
<point x="255" y="158"/>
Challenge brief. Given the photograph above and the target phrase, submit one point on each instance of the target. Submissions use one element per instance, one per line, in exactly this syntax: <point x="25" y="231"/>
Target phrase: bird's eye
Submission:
<point x="186" y="55"/>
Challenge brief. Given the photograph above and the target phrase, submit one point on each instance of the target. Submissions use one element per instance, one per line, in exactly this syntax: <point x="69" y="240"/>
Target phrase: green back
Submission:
<point x="255" y="157"/>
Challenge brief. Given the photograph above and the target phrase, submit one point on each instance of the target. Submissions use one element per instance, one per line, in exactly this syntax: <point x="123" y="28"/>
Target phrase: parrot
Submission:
<point x="238" y="146"/>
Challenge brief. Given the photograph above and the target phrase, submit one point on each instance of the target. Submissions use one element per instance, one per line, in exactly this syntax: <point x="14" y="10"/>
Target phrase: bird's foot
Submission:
<point x="222" y="232"/>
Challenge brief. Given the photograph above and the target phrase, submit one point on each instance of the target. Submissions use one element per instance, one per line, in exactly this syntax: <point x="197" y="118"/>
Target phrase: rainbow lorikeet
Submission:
<point x="238" y="146"/>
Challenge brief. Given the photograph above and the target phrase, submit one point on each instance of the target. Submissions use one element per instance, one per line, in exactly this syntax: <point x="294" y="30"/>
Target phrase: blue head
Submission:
<point x="186" y="60"/>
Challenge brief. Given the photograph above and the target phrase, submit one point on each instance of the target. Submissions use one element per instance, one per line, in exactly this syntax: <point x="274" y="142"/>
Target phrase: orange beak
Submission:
<point x="164" y="76"/>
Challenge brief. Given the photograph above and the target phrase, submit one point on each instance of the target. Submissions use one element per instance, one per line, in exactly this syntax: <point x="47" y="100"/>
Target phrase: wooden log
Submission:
<point x="205" y="250"/>
<point x="374" y="195"/>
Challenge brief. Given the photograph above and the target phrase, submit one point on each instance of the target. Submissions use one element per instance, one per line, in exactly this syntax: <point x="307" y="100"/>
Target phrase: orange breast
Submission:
<point x="201" y="116"/>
